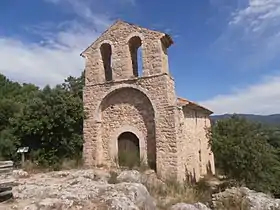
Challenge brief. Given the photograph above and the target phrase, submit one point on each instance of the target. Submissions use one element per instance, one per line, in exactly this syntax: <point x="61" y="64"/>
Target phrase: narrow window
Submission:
<point x="165" y="43"/>
<point x="106" y="53"/>
<point x="195" y="115"/>
<point x="135" y="48"/>
<point x="199" y="151"/>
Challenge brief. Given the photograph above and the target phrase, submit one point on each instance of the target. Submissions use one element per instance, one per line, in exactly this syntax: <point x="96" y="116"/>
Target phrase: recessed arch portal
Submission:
<point x="130" y="107"/>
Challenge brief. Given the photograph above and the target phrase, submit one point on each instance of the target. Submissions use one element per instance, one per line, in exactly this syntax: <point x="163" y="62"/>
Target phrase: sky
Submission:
<point x="225" y="56"/>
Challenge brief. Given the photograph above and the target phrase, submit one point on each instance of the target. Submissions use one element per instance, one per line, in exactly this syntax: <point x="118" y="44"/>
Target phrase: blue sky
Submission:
<point x="225" y="56"/>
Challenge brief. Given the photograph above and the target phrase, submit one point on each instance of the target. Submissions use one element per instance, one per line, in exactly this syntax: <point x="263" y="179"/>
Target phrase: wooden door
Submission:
<point x="128" y="148"/>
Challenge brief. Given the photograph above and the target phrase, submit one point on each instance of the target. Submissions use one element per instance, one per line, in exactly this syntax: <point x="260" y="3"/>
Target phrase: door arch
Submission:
<point x="128" y="150"/>
<point x="117" y="110"/>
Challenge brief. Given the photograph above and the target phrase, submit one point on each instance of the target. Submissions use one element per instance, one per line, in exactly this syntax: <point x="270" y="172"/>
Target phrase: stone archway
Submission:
<point x="127" y="107"/>
<point x="128" y="149"/>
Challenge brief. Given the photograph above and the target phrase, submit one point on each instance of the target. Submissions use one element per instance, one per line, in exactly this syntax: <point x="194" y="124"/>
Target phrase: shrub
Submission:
<point x="242" y="152"/>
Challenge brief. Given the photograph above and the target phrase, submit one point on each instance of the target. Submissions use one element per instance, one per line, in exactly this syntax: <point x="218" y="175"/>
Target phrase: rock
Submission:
<point x="20" y="174"/>
<point x="31" y="207"/>
<point x="247" y="198"/>
<point x="79" y="189"/>
<point x="61" y="174"/>
<point x="185" y="206"/>
<point x="201" y="206"/>
<point x="54" y="203"/>
<point x="149" y="178"/>
<point x="101" y="175"/>
<point x="128" y="196"/>
<point x="132" y="176"/>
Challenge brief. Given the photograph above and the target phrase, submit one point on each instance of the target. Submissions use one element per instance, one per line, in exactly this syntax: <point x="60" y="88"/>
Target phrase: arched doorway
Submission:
<point x="127" y="106"/>
<point x="128" y="150"/>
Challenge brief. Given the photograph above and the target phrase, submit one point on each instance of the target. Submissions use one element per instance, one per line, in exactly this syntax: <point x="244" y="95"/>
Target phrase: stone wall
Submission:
<point x="199" y="156"/>
<point x="143" y="104"/>
<point x="154" y="45"/>
<point x="127" y="109"/>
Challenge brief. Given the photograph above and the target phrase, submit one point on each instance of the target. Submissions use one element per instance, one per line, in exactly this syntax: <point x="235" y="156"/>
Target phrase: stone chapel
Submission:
<point x="129" y="108"/>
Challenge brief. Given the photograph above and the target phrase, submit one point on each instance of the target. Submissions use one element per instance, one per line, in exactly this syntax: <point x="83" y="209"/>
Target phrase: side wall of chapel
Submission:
<point x="198" y="157"/>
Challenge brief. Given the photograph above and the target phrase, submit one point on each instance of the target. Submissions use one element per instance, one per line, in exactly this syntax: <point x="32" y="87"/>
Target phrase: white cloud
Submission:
<point x="257" y="13"/>
<point x="253" y="35"/>
<point x="56" y="56"/>
<point x="47" y="62"/>
<point x="36" y="63"/>
<point x="259" y="24"/>
<point x="261" y="98"/>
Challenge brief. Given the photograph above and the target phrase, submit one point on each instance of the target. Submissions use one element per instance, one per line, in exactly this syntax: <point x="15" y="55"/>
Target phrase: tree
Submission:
<point x="51" y="125"/>
<point x="48" y="120"/>
<point x="243" y="153"/>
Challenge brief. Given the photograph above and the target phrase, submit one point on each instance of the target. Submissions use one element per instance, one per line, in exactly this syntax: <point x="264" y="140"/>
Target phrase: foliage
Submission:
<point x="49" y="121"/>
<point x="247" y="152"/>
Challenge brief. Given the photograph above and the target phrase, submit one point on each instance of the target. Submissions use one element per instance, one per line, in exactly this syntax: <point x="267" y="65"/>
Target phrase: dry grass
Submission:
<point x="236" y="202"/>
<point x="71" y="164"/>
<point x="129" y="160"/>
<point x="171" y="192"/>
<point x="32" y="167"/>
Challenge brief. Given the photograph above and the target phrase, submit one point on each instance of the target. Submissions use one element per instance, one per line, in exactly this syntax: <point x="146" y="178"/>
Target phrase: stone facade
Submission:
<point x="119" y="98"/>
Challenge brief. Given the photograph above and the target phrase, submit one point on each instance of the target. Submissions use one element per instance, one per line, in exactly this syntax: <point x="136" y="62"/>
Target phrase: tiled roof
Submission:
<point x="184" y="102"/>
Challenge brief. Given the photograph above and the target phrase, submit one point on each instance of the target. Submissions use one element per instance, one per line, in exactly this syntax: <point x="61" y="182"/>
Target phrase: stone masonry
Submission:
<point x="120" y="98"/>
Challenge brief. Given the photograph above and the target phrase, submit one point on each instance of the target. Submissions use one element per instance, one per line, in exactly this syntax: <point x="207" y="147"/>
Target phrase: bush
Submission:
<point x="242" y="152"/>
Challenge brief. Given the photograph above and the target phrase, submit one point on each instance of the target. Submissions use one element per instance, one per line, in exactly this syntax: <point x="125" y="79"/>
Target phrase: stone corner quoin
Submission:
<point x="132" y="108"/>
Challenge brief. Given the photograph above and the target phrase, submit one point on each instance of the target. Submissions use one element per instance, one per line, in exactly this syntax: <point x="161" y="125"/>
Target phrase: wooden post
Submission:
<point x="22" y="151"/>
<point x="22" y="159"/>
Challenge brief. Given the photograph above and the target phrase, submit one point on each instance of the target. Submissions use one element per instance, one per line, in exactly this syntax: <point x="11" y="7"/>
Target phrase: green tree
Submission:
<point x="48" y="120"/>
<point x="51" y="125"/>
<point x="243" y="153"/>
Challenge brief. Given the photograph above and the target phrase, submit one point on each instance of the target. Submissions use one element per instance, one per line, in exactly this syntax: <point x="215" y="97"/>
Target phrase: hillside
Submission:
<point x="266" y="119"/>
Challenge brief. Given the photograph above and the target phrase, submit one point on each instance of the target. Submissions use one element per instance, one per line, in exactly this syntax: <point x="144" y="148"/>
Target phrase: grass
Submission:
<point x="131" y="160"/>
<point x="237" y="201"/>
<point x="171" y="192"/>
<point x="67" y="164"/>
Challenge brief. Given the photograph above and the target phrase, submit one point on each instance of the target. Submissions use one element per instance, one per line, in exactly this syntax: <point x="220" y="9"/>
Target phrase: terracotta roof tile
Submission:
<point x="185" y="102"/>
